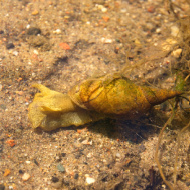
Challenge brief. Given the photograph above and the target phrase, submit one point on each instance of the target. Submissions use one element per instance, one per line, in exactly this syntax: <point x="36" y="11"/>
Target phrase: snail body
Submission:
<point x="111" y="96"/>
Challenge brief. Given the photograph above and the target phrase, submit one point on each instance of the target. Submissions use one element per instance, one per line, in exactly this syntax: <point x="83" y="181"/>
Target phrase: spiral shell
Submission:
<point x="117" y="96"/>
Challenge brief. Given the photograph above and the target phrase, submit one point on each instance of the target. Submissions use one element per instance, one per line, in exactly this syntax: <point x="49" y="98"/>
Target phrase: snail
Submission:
<point x="109" y="96"/>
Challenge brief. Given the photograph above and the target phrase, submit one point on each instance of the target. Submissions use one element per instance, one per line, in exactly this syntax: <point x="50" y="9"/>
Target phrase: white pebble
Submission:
<point x="36" y="52"/>
<point x="174" y="31"/>
<point x="15" y="53"/>
<point x="106" y="41"/>
<point x="89" y="180"/>
<point x="118" y="155"/>
<point x="58" y="31"/>
<point x="104" y="10"/>
<point x="25" y="177"/>
<point x="158" y="30"/>
<point x="89" y="155"/>
<point x="28" y="26"/>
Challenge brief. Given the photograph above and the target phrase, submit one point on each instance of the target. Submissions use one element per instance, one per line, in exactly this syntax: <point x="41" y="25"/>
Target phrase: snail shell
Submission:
<point x="117" y="96"/>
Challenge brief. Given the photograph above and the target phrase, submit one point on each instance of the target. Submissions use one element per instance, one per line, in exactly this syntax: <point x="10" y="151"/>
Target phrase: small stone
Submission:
<point x="76" y="176"/>
<point x="20" y="171"/>
<point x="177" y="53"/>
<point x="118" y="155"/>
<point x="10" y="45"/>
<point x="34" y="31"/>
<point x="151" y="9"/>
<point x="58" y="158"/>
<point x="1" y="87"/>
<point x="35" y="12"/>
<point x="106" y="41"/>
<point x="168" y="44"/>
<point x="158" y="30"/>
<point x="58" y="31"/>
<point x="85" y="142"/>
<point x="35" y="52"/>
<point x="54" y="179"/>
<point x="35" y="161"/>
<point x="63" y="154"/>
<point x="15" y="53"/>
<point x="6" y="172"/>
<point x="104" y="10"/>
<point x="174" y="31"/>
<point x="89" y="155"/>
<point x="60" y="168"/>
<point x="2" y="187"/>
<point x="89" y="180"/>
<point x="26" y="177"/>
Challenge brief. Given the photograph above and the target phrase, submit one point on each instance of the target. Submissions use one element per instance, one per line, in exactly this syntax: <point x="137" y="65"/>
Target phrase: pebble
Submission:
<point x="177" y="53"/>
<point x="26" y="176"/>
<point x="60" y="168"/>
<point x="168" y="44"/>
<point x="15" y="53"/>
<point x="34" y="31"/>
<point x="35" y="12"/>
<point x="89" y="180"/>
<point x="20" y="171"/>
<point x="10" y="45"/>
<point x="1" y="87"/>
<point x="63" y="154"/>
<point x="151" y="9"/>
<point x="35" y="52"/>
<point x="158" y="30"/>
<point x="174" y="31"/>
<point x="89" y="155"/>
<point x="76" y="176"/>
<point x="6" y="172"/>
<point x="2" y="187"/>
<point x="104" y="10"/>
<point x="58" y="31"/>
<point x="86" y="142"/>
<point x="117" y="155"/>
<point x="54" y="179"/>
<point x="106" y="40"/>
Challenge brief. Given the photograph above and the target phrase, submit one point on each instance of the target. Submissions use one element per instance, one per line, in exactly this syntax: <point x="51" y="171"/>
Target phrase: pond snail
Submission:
<point x="109" y="96"/>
